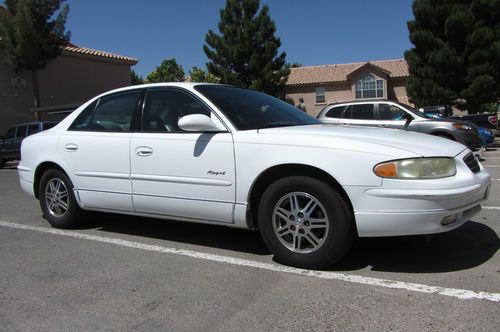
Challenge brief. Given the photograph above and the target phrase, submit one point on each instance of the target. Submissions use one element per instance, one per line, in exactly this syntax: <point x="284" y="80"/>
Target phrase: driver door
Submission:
<point x="177" y="173"/>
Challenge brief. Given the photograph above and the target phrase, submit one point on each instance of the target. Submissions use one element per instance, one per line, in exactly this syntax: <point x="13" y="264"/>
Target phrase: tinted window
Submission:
<point x="21" y="132"/>
<point x="82" y="121"/>
<point x="248" y="109"/>
<point x="390" y="112"/>
<point x="32" y="129"/>
<point x="335" y="112"/>
<point x="362" y="111"/>
<point x="10" y="133"/>
<point x="114" y="113"/>
<point x="164" y="108"/>
<point x="110" y="113"/>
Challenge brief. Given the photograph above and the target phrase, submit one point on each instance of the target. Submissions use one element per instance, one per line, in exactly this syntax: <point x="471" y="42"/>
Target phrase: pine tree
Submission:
<point x="168" y="71"/>
<point x="456" y="53"/>
<point x="33" y="34"/>
<point x="135" y="79"/>
<point x="245" y="53"/>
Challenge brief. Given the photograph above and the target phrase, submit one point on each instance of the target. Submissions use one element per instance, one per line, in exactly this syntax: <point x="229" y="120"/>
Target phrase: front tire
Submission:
<point x="305" y="222"/>
<point x="57" y="200"/>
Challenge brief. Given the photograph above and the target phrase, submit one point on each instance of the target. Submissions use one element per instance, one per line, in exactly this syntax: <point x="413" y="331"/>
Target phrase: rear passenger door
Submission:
<point x="96" y="151"/>
<point x="360" y="115"/>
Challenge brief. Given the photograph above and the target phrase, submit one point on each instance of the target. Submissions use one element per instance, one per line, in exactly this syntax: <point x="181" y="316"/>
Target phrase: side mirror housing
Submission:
<point x="197" y="122"/>
<point x="408" y="119"/>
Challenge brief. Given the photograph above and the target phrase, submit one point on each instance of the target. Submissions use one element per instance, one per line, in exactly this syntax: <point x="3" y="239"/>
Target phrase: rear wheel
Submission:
<point x="305" y="222"/>
<point x="57" y="200"/>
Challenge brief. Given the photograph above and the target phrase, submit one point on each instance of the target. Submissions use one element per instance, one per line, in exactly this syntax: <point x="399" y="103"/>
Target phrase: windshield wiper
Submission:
<point x="277" y="124"/>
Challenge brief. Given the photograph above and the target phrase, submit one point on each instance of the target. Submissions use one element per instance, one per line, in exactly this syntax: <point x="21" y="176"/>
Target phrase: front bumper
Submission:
<point x="419" y="207"/>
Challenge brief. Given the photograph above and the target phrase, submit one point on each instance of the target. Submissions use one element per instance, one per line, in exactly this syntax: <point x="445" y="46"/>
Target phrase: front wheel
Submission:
<point x="57" y="200"/>
<point x="305" y="222"/>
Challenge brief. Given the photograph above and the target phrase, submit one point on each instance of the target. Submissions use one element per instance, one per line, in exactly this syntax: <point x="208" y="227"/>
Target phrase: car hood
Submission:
<point x="366" y="138"/>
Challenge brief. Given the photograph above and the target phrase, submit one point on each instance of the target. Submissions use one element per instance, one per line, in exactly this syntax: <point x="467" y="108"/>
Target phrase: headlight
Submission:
<point x="417" y="168"/>
<point x="462" y="126"/>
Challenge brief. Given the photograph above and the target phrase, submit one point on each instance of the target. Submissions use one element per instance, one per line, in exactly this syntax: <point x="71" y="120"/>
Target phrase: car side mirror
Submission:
<point x="197" y="122"/>
<point x="408" y="119"/>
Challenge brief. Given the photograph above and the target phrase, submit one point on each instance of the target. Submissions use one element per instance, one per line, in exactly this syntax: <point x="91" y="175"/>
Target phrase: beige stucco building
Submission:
<point x="75" y="76"/>
<point x="322" y="85"/>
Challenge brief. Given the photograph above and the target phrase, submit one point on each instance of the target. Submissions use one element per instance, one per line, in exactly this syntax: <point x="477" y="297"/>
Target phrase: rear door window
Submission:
<point x="11" y="133"/>
<point x="362" y="111"/>
<point x="32" y="129"/>
<point x="21" y="132"/>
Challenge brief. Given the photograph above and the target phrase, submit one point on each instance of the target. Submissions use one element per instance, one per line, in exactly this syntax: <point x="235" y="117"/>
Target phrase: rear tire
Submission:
<point x="57" y="200"/>
<point x="305" y="222"/>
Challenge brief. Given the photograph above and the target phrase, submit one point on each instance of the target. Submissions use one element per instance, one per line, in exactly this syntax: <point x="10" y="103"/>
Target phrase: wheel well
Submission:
<point x="42" y="168"/>
<point x="277" y="172"/>
<point x="443" y="134"/>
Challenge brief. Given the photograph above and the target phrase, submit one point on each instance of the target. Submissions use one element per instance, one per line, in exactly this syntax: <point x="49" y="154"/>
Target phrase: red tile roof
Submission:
<point x="340" y="72"/>
<point x="97" y="53"/>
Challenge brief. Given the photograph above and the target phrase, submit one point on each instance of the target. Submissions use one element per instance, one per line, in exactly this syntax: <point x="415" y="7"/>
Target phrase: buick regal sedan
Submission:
<point x="229" y="156"/>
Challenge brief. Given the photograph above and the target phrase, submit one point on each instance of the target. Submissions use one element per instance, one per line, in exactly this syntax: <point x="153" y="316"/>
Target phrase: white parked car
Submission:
<point x="229" y="156"/>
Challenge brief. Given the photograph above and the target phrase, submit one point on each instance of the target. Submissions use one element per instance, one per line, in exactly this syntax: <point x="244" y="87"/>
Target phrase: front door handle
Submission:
<point x="71" y="147"/>
<point x="143" y="151"/>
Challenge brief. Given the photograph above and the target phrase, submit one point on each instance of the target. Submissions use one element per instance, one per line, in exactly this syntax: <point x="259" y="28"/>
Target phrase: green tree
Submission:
<point x="33" y="34"/>
<point x="199" y="75"/>
<point x="135" y="78"/>
<point x="168" y="71"/>
<point x="456" y="53"/>
<point x="245" y="53"/>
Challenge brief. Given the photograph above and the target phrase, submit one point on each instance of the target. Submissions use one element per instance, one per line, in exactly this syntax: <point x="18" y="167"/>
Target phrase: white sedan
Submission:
<point x="223" y="155"/>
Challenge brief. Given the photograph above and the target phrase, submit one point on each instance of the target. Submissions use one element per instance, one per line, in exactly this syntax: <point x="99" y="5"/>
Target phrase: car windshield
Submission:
<point x="248" y="109"/>
<point x="415" y="111"/>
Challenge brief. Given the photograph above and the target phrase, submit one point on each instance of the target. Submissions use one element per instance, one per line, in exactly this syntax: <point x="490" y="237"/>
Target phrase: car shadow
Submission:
<point x="466" y="247"/>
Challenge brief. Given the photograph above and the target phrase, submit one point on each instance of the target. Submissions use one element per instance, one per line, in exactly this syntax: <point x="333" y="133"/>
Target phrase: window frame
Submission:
<point x="359" y="87"/>
<point x="316" y="95"/>
<point x="92" y="107"/>
<point x="142" y="112"/>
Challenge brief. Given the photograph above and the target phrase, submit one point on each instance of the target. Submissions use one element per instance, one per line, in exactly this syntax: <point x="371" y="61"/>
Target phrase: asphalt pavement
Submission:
<point x="129" y="273"/>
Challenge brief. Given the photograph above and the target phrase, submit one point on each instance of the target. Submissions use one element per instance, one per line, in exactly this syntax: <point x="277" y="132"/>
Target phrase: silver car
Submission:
<point x="388" y="114"/>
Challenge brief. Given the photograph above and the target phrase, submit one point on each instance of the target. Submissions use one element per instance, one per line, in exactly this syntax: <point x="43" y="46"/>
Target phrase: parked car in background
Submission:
<point x="389" y="114"/>
<point x="485" y="120"/>
<point x="228" y="156"/>
<point x="10" y="143"/>
<point x="486" y="135"/>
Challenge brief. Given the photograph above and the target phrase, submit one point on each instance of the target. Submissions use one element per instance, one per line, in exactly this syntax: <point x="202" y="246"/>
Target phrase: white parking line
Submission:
<point x="452" y="292"/>
<point x="491" y="207"/>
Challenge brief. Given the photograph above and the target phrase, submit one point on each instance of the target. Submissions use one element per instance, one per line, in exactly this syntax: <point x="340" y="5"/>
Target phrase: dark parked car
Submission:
<point x="389" y="114"/>
<point x="10" y="143"/>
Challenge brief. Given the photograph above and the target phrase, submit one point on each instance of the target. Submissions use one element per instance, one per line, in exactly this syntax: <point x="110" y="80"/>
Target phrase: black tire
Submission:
<point x="2" y="163"/>
<point x="335" y="237"/>
<point x="56" y="214"/>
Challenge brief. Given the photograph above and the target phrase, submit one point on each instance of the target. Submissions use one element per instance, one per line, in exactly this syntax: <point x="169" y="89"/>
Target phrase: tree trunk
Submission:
<point x="36" y="94"/>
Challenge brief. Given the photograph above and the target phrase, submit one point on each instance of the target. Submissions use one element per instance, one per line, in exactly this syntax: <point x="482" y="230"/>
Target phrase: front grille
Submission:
<point x="472" y="163"/>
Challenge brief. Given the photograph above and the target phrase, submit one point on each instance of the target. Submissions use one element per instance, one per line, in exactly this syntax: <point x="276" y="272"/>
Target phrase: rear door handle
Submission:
<point x="71" y="147"/>
<point x="143" y="151"/>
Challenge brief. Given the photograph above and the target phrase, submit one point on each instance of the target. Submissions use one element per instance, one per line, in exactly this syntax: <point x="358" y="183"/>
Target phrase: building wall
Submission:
<point x="334" y="93"/>
<point x="66" y="80"/>
<point x="394" y="89"/>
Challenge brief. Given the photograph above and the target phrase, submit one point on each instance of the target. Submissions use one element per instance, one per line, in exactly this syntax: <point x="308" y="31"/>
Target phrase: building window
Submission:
<point x="320" y="95"/>
<point x="369" y="87"/>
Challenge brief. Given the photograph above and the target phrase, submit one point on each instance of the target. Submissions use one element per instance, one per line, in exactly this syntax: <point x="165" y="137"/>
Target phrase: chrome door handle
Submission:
<point x="70" y="147"/>
<point x="143" y="151"/>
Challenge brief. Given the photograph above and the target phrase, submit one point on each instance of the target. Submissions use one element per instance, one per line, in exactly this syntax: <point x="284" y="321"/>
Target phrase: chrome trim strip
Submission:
<point x="183" y="180"/>
<point x="106" y="175"/>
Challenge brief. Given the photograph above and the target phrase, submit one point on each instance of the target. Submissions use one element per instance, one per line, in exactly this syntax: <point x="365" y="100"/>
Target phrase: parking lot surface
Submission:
<point x="129" y="273"/>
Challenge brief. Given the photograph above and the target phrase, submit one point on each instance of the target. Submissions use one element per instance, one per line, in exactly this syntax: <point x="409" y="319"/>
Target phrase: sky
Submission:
<point x="312" y="32"/>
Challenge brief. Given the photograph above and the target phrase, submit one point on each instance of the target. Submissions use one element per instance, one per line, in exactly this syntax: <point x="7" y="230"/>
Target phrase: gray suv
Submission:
<point x="389" y="114"/>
